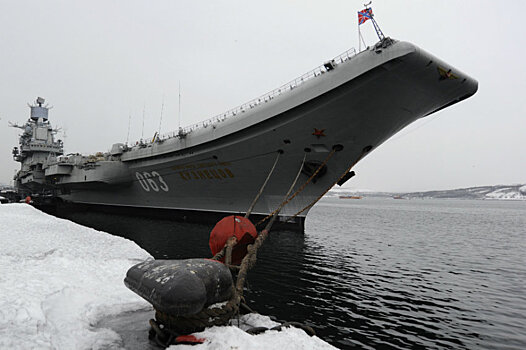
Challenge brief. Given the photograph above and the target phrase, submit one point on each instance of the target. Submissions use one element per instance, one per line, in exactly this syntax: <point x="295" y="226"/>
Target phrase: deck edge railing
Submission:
<point x="345" y="56"/>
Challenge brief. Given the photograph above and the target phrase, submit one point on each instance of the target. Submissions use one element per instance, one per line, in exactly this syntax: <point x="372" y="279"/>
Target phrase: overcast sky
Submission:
<point x="100" y="61"/>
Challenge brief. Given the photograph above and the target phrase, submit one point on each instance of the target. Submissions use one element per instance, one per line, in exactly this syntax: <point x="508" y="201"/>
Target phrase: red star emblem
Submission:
<point x="318" y="132"/>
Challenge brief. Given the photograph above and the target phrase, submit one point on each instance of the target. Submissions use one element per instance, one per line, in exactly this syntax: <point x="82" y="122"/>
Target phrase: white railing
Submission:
<point x="347" y="55"/>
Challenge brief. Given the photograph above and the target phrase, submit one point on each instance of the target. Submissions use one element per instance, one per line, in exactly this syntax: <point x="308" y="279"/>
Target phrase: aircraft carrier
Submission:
<point x="322" y="123"/>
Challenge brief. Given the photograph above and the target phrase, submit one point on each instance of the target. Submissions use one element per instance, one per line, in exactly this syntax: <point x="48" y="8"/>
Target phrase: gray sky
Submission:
<point x="99" y="61"/>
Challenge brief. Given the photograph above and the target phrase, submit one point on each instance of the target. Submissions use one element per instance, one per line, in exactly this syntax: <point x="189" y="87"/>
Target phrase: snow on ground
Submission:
<point x="508" y="193"/>
<point x="59" y="279"/>
<point x="290" y="338"/>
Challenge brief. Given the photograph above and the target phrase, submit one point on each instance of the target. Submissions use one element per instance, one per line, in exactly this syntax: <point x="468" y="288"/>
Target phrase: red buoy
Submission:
<point x="237" y="226"/>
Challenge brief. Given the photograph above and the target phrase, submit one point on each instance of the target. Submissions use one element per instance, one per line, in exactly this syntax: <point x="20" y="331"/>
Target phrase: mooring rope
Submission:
<point x="226" y="251"/>
<point x="364" y="152"/>
<point x="249" y="211"/>
<point x="250" y="259"/>
<point x="221" y="315"/>
<point x="299" y="190"/>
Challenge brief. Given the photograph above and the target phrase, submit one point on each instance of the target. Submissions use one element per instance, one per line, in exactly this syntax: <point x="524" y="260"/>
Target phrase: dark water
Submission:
<point x="380" y="273"/>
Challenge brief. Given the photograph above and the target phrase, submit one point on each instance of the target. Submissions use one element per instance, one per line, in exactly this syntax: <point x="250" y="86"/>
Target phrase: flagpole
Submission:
<point x="362" y="40"/>
<point x="359" y="37"/>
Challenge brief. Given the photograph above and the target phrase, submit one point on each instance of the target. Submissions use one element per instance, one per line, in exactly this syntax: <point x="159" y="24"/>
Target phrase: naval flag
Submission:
<point x="364" y="15"/>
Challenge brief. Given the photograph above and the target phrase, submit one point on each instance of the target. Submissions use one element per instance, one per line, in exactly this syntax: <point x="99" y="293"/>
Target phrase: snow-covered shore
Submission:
<point x="59" y="279"/>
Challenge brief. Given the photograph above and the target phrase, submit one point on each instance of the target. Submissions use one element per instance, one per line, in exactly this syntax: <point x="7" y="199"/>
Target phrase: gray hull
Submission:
<point x="219" y="167"/>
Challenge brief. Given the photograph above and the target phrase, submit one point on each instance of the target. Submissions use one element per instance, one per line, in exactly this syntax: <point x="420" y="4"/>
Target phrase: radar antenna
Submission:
<point x="179" y="116"/>
<point x="15" y="125"/>
<point x="143" y="112"/>
<point x="129" y="125"/>
<point x="161" y="118"/>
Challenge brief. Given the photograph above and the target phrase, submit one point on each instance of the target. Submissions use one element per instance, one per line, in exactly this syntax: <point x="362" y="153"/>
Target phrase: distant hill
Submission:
<point x="481" y="192"/>
<point x="507" y="192"/>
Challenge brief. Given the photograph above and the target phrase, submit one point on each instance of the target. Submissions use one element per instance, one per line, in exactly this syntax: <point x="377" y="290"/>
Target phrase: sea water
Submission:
<point x="379" y="273"/>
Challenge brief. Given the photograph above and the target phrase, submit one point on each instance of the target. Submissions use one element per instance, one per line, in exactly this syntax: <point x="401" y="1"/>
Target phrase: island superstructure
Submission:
<point x="37" y="147"/>
<point x="326" y="120"/>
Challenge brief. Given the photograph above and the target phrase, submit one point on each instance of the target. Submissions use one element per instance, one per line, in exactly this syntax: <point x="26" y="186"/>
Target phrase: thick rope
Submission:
<point x="217" y="316"/>
<point x="230" y="243"/>
<point x="228" y="246"/>
<point x="249" y="211"/>
<point x="222" y="315"/>
<point x="328" y="188"/>
<point x="299" y="190"/>
<point x="250" y="259"/>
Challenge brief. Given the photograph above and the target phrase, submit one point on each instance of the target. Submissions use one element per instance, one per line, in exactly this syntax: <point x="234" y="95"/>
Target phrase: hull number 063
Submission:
<point x="151" y="181"/>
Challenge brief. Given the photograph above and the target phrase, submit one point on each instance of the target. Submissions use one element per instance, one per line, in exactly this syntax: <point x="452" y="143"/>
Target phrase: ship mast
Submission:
<point x="179" y="115"/>
<point x="375" y="24"/>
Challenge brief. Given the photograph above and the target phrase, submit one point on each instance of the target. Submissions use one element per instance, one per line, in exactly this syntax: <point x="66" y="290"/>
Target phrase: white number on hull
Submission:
<point x="149" y="181"/>
<point x="163" y="184"/>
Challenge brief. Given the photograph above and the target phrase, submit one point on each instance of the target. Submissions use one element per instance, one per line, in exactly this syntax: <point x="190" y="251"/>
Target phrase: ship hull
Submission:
<point x="351" y="109"/>
<point x="69" y="210"/>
